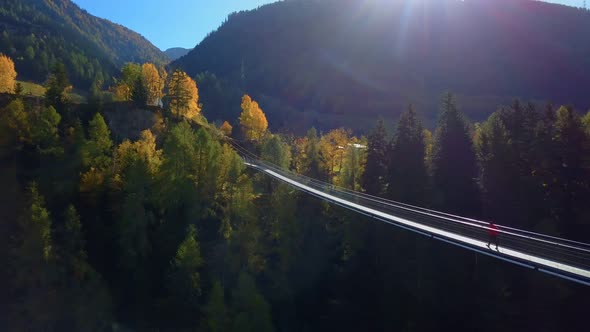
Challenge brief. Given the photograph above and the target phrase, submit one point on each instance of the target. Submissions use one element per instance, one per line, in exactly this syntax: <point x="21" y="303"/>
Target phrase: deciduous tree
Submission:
<point x="226" y="128"/>
<point x="183" y="96"/>
<point x="7" y="74"/>
<point x="153" y="83"/>
<point x="253" y="122"/>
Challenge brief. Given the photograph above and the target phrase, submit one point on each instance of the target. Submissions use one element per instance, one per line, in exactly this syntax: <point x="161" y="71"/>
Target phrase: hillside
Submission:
<point x="176" y="52"/>
<point x="36" y="33"/>
<point x="344" y="62"/>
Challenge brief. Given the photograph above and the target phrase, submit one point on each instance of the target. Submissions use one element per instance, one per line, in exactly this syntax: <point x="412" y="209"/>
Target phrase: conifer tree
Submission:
<point x="252" y="310"/>
<point x="454" y="163"/>
<point x="407" y="176"/>
<point x="99" y="144"/>
<point x="374" y="176"/>
<point x="57" y="88"/>
<point x="215" y="310"/>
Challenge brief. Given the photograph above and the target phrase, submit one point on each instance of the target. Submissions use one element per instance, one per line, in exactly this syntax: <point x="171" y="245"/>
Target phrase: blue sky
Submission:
<point x="180" y="23"/>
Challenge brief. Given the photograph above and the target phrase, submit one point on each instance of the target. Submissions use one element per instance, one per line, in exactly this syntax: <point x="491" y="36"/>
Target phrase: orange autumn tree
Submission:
<point x="7" y="74"/>
<point x="252" y="120"/>
<point x="183" y="95"/>
<point x="226" y="128"/>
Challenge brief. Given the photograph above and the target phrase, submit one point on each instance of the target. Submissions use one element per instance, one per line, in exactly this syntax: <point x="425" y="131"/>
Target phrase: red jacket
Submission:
<point x="493" y="230"/>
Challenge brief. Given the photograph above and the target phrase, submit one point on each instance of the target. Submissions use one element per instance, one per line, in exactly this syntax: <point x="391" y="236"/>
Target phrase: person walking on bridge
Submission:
<point x="493" y="231"/>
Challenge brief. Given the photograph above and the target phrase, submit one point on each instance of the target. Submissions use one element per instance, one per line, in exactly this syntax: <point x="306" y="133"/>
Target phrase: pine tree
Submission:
<point x="44" y="130"/>
<point x="57" y="88"/>
<point x="215" y="310"/>
<point x="454" y="163"/>
<point x="570" y="190"/>
<point x="139" y="93"/>
<point x="35" y="268"/>
<point x="98" y="147"/>
<point x="407" y="176"/>
<point x="312" y="155"/>
<point x="15" y="127"/>
<point x="374" y="176"/>
<point x="276" y="152"/>
<point x="252" y="310"/>
<point x="184" y="278"/>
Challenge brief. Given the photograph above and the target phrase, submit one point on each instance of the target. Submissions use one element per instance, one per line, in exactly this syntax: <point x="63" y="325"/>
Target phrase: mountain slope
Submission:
<point x="343" y="62"/>
<point x="176" y="52"/>
<point x="37" y="33"/>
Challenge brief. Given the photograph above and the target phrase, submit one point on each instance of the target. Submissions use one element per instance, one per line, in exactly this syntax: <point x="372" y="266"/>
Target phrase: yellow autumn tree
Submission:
<point x="153" y="83"/>
<point x="7" y="74"/>
<point x="252" y="120"/>
<point x="183" y="95"/>
<point x="332" y="147"/>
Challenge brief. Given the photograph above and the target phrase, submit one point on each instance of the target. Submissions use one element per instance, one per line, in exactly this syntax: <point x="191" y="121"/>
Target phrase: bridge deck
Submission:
<point x="521" y="258"/>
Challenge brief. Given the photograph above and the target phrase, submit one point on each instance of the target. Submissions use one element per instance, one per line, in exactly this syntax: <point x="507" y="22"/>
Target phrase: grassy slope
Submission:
<point x="36" y="90"/>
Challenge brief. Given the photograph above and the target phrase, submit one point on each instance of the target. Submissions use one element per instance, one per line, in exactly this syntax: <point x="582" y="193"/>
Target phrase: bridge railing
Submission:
<point x="572" y="253"/>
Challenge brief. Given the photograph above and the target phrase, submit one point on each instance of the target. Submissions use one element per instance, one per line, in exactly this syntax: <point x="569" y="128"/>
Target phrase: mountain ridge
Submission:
<point x="37" y="33"/>
<point x="175" y="53"/>
<point x="340" y="63"/>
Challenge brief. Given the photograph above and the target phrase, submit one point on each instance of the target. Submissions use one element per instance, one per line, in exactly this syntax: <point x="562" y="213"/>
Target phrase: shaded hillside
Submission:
<point x="36" y="33"/>
<point x="345" y="62"/>
<point x="176" y="52"/>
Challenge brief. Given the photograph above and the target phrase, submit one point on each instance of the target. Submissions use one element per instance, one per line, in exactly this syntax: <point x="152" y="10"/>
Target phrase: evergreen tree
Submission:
<point x="252" y="312"/>
<point x="454" y="163"/>
<point x="184" y="278"/>
<point x="505" y="146"/>
<point x="35" y="268"/>
<point x="407" y="176"/>
<point x="15" y="127"/>
<point x="44" y="130"/>
<point x="570" y="190"/>
<point x="374" y="177"/>
<point x="139" y="92"/>
<point x="276" y="152"/>
<point x="312" y="155"/>
<point x="98" y="147"/>
<point x="215" y="310"/>
<point x="57" y="88"/>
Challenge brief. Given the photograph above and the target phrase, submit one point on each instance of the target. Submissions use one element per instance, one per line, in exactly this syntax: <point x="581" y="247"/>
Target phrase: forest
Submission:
<point x="168" y="230"/>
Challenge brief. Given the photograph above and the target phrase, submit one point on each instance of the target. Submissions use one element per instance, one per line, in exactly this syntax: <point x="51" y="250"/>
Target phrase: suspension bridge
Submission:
<point x="556" y="256"/>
